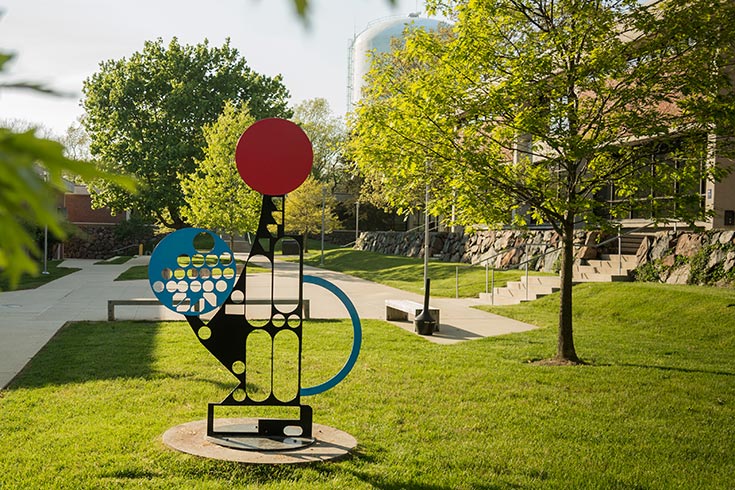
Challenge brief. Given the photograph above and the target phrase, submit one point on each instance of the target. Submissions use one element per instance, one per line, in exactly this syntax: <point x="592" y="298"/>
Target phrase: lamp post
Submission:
<point x="426" y="234"/>
<point x="324" y="200"/>
<point x="357" y="221"/>
<point x="45" y="237"/>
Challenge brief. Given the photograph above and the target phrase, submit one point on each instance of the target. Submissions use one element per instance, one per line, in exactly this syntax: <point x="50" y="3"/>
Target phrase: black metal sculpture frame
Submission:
<point x="228" y="337"/>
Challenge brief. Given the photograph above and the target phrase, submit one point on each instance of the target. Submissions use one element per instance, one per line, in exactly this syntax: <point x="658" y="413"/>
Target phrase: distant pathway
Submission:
<point x="29" y="318"/>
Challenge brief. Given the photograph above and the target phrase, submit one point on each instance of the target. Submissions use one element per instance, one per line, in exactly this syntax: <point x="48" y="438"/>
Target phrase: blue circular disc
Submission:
<point x="356" y="337"/>
<point x="192" y="271"/>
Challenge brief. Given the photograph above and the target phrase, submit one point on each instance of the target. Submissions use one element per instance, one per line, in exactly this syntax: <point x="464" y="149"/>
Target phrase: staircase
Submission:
<point x="607" y="269"/>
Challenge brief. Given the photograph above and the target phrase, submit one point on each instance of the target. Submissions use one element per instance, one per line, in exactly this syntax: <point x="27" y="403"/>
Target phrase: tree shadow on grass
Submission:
<point x="679" y="369"/>
<point x="83" y="351"/>
<point x="87" y="351"/>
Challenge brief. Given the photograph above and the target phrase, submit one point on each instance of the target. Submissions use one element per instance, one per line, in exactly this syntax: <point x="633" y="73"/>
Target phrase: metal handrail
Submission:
<point x="619" y="238"/>
<point x="623" y="234"/>
<point x="125" y="247"/>
<point x="486" y="261"/>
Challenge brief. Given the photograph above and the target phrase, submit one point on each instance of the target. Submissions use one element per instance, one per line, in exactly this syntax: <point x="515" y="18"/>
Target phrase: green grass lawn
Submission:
<point x="32" y="282"/>
<point x="133" y="273"/>
<point x="407" y="273"/>
<point x="653" y="409"/>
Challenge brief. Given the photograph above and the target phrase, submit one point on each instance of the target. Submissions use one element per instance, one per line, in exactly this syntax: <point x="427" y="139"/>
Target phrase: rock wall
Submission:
<point x="706" y="258"/>
<point x="104" y="241"/>
<point x="674" y="257"/>
<point x="501" y="249"/>
<point x="91" y="242"/>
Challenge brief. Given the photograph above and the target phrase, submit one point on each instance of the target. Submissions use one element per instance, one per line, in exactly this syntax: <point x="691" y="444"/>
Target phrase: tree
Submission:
<point x="216" y="195"/>
<point x="537" y="106"/>
<point x="304" y="208"/>
<point x="144" y="116"/>
<point x="327" y="135"/>
<point x="31" y="179"/>
<point x="76" y="142"/>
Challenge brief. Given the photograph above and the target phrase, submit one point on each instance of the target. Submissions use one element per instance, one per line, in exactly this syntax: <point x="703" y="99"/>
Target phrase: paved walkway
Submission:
<point x="29" y="318"/>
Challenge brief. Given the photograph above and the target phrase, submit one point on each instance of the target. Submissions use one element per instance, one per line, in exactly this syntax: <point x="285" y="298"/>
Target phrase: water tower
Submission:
<point x="377" y="38"/>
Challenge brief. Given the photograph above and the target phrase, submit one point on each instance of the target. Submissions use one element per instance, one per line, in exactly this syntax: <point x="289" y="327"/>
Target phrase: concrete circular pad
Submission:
<point x="191" y="438"/>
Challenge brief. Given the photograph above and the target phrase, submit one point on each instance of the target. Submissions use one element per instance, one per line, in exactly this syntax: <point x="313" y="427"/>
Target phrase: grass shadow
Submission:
<point x="84" y="351"/>
<point x="679" y="369"/>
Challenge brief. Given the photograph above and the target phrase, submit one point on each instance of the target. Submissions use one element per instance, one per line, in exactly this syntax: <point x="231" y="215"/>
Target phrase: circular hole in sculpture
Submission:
<point x="238" y="367"/>
<point x="225" y="258"/>
<point x="238" y="394"/>
<point x="204" y="242"/>
<point x="195" y="286"/>
<point x="208" y="286"/>
<point x="183" y="286"/>
<point x="204" y="333"/>
<point x="192" y="273"/>
<point x="205" y="273"/>
<point x="183" y="260"/>
<point x="211" y="260"/>
<point x="216" y="273"/>
<point x="221" y="286"/>
<point x="228" y="273"/>
<point x="172" y="286"/>
<point x="158" y="286"/>
<point x="167" y="273"/>
<point x="237" y="296"/>
<point x="292" y="431"/>
<point x="197" y="260"/>
<point x="179" y="273"/>
<point x="278" y="320"/>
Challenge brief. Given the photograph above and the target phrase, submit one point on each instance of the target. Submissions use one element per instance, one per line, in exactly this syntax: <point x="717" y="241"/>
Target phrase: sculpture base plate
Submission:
<point x="191" y="438"/>
<point x="251" y="441"/>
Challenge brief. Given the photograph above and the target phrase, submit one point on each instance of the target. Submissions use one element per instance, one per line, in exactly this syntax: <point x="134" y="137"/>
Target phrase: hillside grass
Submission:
<point x="32" y="282"/>
<point x="448" y="279"/>
<point x="653" y="409"/>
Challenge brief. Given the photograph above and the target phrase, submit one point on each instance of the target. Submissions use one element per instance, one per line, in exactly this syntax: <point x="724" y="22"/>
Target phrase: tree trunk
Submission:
<point x="565" y="342"/>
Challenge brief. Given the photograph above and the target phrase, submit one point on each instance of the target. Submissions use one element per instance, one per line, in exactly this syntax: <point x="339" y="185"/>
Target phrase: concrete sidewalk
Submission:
<point x="29" y="318"/>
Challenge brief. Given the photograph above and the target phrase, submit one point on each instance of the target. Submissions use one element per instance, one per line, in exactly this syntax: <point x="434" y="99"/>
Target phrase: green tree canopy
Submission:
<point x="145" y="116"/>
<point x="537" y="106"/>
<point x="327" y="134"/>
<point x="31" y="180"/>
<point x="304" y="209"/>
<point x="216" y="196"/>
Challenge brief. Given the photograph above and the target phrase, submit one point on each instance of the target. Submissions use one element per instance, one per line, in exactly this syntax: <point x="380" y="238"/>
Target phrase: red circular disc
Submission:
<point x="274" y="156"/>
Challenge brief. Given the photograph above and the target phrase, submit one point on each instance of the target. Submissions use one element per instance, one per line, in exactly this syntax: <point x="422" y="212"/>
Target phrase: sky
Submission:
<point x="60" y="43"/>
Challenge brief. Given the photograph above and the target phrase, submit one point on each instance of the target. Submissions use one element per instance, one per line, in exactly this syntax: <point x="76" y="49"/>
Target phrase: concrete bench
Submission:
<point x="112" y="303"/>
<point x="406" y="310"/>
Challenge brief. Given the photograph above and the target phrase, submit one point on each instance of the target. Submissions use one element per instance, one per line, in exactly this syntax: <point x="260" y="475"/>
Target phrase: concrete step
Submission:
<point x="508" y="300"/>
<point x="597" y="277"/>
<point x="545" y="281"/>
<point x="613" y="269"/>
<point x="499" y="300"/>
<point x="606" y="269"/>
<point x="629" y="260"/>
<point x="515" y="287"/>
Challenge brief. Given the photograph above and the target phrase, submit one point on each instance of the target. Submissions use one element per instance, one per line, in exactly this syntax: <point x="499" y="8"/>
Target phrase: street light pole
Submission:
<point x="324" y="199"/>
<point x="45" y="238"/>
<point x="357" y="221"/>
<point x="426" y="234"/>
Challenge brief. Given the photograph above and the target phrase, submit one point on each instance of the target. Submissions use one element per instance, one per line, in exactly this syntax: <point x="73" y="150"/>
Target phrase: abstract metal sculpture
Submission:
<point x="193" y="272"/>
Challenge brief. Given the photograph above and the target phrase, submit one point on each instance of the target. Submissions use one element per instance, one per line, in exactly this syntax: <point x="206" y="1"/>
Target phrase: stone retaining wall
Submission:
<point x="502" y="248"/>
<point x="668" y="256"/>
<point x="706" y="258"/>
<point x="101" y="242"/>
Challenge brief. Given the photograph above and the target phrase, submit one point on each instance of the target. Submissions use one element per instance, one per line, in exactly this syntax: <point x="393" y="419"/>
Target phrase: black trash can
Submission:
<point x="424" y="323"/>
